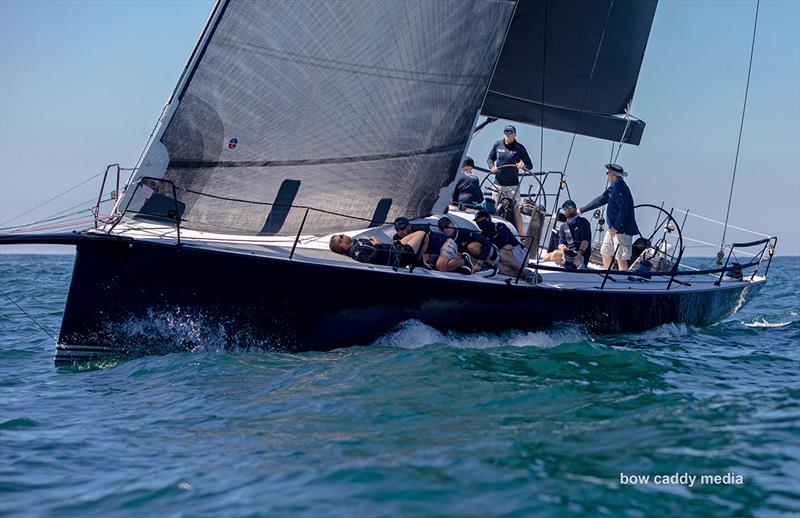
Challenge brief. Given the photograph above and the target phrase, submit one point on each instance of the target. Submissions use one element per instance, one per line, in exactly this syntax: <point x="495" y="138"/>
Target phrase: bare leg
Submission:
<point x="556" y="256"/>
<point x="518" y="219"/>
<point x="622" y="264"/>
<point x="444" y="264"/>
<point x="509" y="265"/>
<point x="607" y="262"/>
<point x="415" y="240"/>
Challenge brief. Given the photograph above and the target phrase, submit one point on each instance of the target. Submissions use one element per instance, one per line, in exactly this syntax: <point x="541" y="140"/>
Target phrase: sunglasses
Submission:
<point x="508" y="132"/>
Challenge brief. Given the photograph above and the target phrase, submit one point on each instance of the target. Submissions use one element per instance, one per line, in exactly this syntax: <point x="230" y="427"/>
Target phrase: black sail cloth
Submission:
<point x="547" y="82"/>
<point x="360" y="107"/>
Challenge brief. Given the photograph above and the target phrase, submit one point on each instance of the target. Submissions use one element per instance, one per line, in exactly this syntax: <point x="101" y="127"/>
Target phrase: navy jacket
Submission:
<point x="498" y="233"/>
<point x="468" y="189"/>
<point x="435" y="239"/>
<point x="464" y="236"/>
<point x="572" y="233"/>
<point x="501" y="154"/>
<point x="415" y="227"/>
<point x="619" y="213"/>
<point x="435" y="242"/>
<point x="363" y="251"/>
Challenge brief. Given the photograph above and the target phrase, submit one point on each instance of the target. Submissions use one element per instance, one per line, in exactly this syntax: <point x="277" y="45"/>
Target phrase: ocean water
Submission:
<point x="550" y="423"/>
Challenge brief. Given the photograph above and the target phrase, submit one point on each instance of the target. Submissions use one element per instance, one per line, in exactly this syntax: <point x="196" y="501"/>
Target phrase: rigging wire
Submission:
<point x="6" y="222"/>
<point x="544" y="69"/>
<point x="741" y="127"/>
<point x="588" y="84"/>
<point x="61" y="215"/>
<point x="41" y="326"/>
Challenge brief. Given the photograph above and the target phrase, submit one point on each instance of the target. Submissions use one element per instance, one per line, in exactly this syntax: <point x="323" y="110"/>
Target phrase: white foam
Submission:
<point x="413" y="334"/>
<point x="764" y="323"/>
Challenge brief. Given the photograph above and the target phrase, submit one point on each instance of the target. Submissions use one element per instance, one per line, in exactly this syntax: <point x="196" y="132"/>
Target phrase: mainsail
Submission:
<point x="361" y="108"/>
<point x="572" y="65"/>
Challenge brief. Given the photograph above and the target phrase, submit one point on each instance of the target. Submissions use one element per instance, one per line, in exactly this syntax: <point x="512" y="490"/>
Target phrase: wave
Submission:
<point x="413" y="334"/>
<point x="764" y="323"/>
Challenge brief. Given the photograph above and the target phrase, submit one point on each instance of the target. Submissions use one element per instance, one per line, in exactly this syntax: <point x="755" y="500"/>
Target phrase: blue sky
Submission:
<point x="82" y="84"/>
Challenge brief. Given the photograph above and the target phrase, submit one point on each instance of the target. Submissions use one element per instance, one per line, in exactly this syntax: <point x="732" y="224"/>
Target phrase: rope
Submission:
<point x="41" y="326"/>
<point x="741" y="126"/>
<point x="588" y="84"/>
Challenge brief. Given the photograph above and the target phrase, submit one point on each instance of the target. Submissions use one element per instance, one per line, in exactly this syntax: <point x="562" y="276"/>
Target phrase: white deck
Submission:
<point x="314" y="249"/>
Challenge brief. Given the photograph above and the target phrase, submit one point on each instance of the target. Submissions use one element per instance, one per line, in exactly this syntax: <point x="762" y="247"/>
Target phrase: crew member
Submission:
<point x="512" y="253"/>
<point x="438" y="252"/>
<point x="509" y="152"/>
<point x="468" y="187"/>
<point x="402" y="253"/>
<point x="574" y="239"/>
<point x="620" y="217"/>
<point x="471" y="242"/>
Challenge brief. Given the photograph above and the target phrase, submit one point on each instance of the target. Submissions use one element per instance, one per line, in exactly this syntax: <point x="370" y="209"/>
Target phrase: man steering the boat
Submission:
<point x="505" y="160"/>
<point x="618" y="239"/>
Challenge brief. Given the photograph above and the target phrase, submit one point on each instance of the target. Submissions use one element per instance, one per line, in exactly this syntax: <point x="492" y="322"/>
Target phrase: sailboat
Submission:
<point x="294" y="121"/>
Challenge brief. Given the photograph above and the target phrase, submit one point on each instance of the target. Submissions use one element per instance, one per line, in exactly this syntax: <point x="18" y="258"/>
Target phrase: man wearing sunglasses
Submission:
<point x="437" y="251"/>
<point x="574" y="239"/>
<point x="509" y="152"/>
<point x="618" y="239"/>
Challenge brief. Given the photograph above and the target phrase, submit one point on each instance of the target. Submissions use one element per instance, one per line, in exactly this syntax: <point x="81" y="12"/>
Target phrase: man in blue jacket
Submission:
<point x="620" y="217"/>
<point x="513" y="155"/>
<point x="468" y="187"/>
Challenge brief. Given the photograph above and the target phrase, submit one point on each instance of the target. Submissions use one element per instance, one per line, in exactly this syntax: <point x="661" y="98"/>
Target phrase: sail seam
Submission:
<point x="391" y="73"/>
<point x="200" y="164"/>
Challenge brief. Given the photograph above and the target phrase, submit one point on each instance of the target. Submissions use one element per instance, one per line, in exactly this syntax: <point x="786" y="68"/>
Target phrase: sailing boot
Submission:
<point x="466" y="269"/>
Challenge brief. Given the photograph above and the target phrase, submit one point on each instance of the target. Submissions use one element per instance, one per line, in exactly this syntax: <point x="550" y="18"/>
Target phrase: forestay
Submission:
<point x="359" y="107"/>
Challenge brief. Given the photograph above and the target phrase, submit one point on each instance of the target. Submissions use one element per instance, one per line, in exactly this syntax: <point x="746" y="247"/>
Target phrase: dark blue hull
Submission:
<point x="139" y="297"/>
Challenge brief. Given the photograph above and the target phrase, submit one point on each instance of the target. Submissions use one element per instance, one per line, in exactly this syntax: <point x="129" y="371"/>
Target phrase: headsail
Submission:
<point x="360" y="107"/>
<point x="574" y="31"/>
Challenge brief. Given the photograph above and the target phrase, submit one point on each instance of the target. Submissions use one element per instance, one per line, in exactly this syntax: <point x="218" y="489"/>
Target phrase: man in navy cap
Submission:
<point x="513" y="155"/>
<point x="468" y="187"/>
<point x="618" y="240"/>
<point x="512" y="253"/>
<point x="438" y="251"/>
<point x="471" y="243"/>
<point x="574" y="239"/>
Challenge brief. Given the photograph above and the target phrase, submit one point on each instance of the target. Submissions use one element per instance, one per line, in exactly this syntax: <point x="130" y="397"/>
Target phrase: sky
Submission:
<point x="82" y="84"/>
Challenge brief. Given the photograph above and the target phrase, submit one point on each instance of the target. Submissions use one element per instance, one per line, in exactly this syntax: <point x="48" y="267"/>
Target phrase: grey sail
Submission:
<point x="361" y="108"/>
<point x="543" y="76"/>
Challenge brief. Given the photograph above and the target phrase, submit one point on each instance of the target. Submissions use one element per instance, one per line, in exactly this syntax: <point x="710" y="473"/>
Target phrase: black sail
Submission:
<point x="544" y="76"/>
<point x="361" y="108"/>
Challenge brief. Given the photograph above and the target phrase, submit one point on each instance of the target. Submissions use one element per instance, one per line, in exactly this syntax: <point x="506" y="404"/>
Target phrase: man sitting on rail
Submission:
<point x="512" y="253"/>
<point x="438" y="252"/>
<point x="372" y="251"/>
<point x="472" y="243"/>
